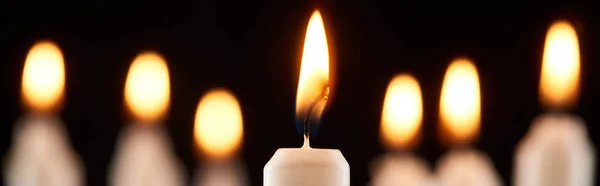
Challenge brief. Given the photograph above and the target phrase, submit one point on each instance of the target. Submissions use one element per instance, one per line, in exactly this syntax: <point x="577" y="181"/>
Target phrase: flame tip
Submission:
<point x="562" y="22"/>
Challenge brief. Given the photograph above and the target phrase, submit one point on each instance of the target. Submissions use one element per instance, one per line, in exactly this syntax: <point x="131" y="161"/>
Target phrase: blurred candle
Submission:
<point x="460" y="115"/>
<point x="557" y="150"/>
<point x="400" y="125"/>
<point x="218" y="131"/>
<point x="306" y="165"/>
<point x="144" y="154"/>
<point x="41" y="153"/>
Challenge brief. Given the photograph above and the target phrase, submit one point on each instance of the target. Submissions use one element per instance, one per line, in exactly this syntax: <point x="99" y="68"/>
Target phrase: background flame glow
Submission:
<point x="43" y="77"/>
<point x="460" y="103"/>
<point x="402" y="112"/>
<point x="147" y="89"/>
<point x="559" y="83"/>
<point x="218" y="127"/>
<point x="314" y="71"/>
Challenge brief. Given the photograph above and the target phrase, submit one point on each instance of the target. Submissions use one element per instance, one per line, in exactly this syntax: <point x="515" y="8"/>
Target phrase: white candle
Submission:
<point x="461" y="167"/>
<point x="308" y="166"/>
<point x="218" y="131"/>
<point x="229" y="173"/>
<point x="401" y="169"/>
<point x="400" y="125"/>
<point x="41" y="153"/>
<point x="557" y="150"/>
<point x="460" y="108"/>
<point x="144" y="153"/>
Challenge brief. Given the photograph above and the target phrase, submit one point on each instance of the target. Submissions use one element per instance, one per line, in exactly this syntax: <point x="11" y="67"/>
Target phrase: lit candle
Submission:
<point x="218" y="131"/>
<point x="144" y="153"/>
<point x="460" y="119"/>
<point x="557" y="150"/>
<point x="400" y="125"/>
<point x="306" y="165"/>
<point x="41" y="153"/>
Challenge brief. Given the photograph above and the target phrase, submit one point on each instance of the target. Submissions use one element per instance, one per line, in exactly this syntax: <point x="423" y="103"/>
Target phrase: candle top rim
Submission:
<point x="300" y="148"/>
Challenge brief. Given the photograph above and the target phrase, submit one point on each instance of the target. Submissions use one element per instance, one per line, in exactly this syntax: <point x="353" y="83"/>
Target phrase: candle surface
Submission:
<point x="228" y="173"/>
<point x="556" y="151"/>
<point x="401" y="170"/>
<point x="144" y="158"/>
<point x="466" y="167"/>
<point x="42" y="155"/>
<point x="307" y="166"/>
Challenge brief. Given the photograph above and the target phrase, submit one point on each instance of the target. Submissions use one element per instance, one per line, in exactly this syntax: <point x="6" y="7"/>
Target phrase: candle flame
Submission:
<point x="559" y="83"/>
<point x="218" y="127"/>
<point x="402" y="112"/>
<point x="147" y="89"/>
<point x="43" y="77"/>
<point x="460" y="103"/>
<point x="314" y="71"/>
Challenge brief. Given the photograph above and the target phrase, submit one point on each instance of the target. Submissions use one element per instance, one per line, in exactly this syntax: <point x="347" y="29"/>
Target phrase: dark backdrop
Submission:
<point x="253" y="48"/>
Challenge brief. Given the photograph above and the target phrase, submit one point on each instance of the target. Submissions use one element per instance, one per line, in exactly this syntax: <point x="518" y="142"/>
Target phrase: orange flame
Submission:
<point x="402" y="112"/>
<point x="218" y="127"/>
<point x="43" y="77"/>
<point x="460" y="104"/>
<point x="147" y="89"/>
<point x="314" y="71"/>
<point x="559" y="83"/>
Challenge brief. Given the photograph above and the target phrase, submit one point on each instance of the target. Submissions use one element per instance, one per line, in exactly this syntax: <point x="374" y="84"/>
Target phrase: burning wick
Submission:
<point x="305" y="165"/>
<point x="307" y="118"/>
<point x="41" y="153"/>
<point x="557" y="149"/>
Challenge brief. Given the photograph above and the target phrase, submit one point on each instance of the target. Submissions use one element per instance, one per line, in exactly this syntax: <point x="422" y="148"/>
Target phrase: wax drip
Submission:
<point x="307" y="118"/>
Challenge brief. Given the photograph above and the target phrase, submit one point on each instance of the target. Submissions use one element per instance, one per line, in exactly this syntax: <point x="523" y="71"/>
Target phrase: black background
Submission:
<point x="253" y="48"/>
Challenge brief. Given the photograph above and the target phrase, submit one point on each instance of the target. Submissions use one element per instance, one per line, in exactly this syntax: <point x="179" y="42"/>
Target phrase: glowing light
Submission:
<point x="218" y="126"/>
<point x="402" y="112"/>
<point x="314" y="71"/>
<point x="43" y="77"/>
<point x="460" y="103"/>
<point x="147" y="89"/>
<point x="559" y="83"/>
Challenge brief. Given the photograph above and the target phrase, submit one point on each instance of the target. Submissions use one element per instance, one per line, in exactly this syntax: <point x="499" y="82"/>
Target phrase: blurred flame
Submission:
<point x="559" y="83"/>
<point x="147" y="89"/>
<point x="402" y="112"/>
<point x="314" y="71"/>
<point x="218" y="127"/>
<point x="460" y="103"/>
<point x="43" y="77"/>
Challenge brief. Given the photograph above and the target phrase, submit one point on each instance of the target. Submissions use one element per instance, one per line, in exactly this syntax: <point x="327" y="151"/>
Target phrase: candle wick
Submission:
<point x="306" y="142"/>
<point x="307" y="118"/>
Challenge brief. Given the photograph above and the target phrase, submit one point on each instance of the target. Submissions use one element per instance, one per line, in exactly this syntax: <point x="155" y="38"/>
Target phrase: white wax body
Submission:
<point x="556" y="151"/>
<point x="401" y="170"/>
<point x="307" y="167"/>
<point x="41" y="155"/>
<point x="227" y="173"/>
<point x="144" y="158"/>
<point x="466" y="167"/>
